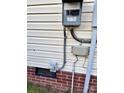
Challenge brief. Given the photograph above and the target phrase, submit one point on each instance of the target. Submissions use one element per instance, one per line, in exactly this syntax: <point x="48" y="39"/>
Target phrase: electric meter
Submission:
<point x="72" y="13"/>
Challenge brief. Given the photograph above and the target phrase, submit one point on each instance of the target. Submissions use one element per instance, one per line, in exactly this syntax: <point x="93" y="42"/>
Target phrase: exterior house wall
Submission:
<point x="45" y="37"/>
<point x="45" y="34"/>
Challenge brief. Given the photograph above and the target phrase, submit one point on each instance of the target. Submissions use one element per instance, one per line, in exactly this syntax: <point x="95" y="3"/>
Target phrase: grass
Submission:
<point x="31" y="88"/>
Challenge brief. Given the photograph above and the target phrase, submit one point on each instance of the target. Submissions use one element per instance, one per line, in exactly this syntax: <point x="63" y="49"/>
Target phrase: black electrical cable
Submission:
<point x="79" y="39"/>
<point x="64" y="50"/>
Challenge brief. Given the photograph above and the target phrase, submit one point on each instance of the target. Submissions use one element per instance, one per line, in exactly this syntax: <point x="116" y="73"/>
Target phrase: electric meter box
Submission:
<point x="82" y="51"/>
<point x="72" y="10"/>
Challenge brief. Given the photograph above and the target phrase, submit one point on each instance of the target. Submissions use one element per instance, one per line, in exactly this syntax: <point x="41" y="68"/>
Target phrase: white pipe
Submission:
<point x="72" y="83"/>
<point x="73" y="72"/>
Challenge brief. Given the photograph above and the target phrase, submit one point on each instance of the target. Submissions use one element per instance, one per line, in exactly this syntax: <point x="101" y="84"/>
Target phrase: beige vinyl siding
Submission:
<point x="86" y="17"/>
<point x="56" y="26"/>
<point x="87" y="7"/>
<point x="58" y="34"/>
<point x="45" y="34"/>
<point x="38" y="2"/>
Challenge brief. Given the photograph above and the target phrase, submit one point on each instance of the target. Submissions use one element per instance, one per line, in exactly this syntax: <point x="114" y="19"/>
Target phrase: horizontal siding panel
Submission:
<point x="57" y="26"/>
<point x="49" y="48"/>
<point x="45" y="9"/>
<point x="51" y="55"/>
<point x="34" y="2"/>
<point x="87" y="7"/>
<point x="51" y="41"/>
<point x="58" y="34"/>
<point x="67" y="68"/>
<point x="59" y="62"/>
<point x="55" y="17"/>
<point x="70" y="56"/>
<point x="37" y="47"/>
<point x="46" y="60"/>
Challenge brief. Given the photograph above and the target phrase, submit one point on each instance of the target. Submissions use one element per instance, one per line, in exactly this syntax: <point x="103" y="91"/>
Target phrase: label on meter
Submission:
<point x="71" y="19"/>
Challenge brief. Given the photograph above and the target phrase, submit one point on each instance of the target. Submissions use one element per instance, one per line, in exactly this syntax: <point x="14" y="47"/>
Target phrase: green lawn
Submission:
<point x="31" y="88"/>
<point x="37" y="89"/>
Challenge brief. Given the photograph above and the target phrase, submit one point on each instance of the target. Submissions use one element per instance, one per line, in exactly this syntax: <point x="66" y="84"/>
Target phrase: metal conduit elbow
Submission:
<point x="79" y="39"/>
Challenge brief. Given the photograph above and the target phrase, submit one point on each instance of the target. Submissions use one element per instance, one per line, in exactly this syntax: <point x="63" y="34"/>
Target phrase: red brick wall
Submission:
<point x="63" y="81"/>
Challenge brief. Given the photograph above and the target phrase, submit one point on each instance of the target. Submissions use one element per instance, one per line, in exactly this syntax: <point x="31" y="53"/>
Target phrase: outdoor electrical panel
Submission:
<point x="72" y="10"/>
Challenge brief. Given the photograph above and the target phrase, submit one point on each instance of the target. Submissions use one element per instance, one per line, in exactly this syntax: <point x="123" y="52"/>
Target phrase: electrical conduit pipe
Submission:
<point x="73" y="72"/>
<point x="92" y="50"/>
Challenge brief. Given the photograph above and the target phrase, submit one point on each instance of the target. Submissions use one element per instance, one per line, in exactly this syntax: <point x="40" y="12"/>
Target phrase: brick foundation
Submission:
<point x="63" y="81"/>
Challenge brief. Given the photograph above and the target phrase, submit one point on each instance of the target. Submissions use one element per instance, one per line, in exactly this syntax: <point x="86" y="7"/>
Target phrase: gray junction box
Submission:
<point x="82" y="51"/>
